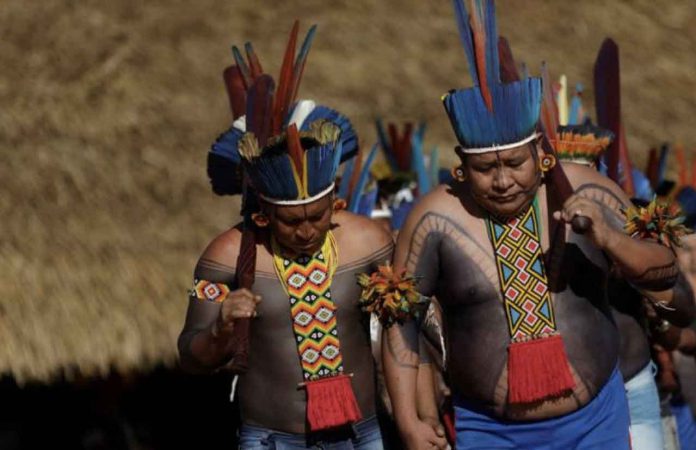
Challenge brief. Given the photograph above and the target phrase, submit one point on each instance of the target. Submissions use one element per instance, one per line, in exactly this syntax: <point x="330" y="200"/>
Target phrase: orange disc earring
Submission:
<point x="458" y="174"/>
<point x="339" y="204"/>
<point x="260" y="219"/>
<point x="547" y="162"/>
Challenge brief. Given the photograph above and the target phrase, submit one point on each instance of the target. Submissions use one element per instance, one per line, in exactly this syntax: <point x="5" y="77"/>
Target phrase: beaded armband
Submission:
<point x="205" y="290"/>
<point x="662" y="222"/>
<point x="392" y="297"/>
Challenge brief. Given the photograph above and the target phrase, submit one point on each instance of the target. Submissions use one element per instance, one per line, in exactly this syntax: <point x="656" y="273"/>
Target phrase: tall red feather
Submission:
<point x="608" y="100"/>
<point x="236" y="92"/>
<point x="479" y="31"/>
<point x="394" y="139"/>
<point x="295" y="149"/>
<point x="298" y="71"/>
<point x="508" y="68"/>
<point x="254" y="63"/>
<point x="281" y="106"/>
<point x="261" y="96"/>
<point x="549" y="109"/>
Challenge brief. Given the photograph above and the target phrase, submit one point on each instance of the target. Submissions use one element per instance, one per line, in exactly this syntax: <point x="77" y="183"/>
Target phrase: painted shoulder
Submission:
<point x="224" y="249"/>
<point x="581" y="176"/>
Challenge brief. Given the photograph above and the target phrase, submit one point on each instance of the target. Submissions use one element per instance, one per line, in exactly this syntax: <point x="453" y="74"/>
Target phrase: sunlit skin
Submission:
<point x="504" y="183"/>
<point x="300" y="229"/>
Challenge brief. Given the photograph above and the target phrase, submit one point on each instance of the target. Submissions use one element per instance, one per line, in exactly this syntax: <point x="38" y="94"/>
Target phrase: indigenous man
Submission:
<point x="583" y="144"/>
<point x="310" y="376"/>
<point x="532" y="346"/>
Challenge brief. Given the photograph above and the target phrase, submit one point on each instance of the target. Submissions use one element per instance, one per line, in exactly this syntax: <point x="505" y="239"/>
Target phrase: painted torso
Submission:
<point x="451" y="251"/>
<point x="268" y="392"/>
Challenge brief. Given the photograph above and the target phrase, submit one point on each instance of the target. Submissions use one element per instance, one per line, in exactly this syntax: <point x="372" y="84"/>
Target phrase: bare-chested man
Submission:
<point x="540" y="372"/>
<point x="310" y="378"/>
<point x="637" y="369"/>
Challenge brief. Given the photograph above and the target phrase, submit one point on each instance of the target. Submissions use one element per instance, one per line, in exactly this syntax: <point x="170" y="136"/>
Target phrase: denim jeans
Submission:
<point x="364" y="435"/>
<point x="644" y="408"/>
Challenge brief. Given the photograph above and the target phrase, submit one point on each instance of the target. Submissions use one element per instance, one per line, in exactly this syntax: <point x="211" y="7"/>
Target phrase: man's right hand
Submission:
<point x="239" y="304"/>
<point x="425" y="436"/>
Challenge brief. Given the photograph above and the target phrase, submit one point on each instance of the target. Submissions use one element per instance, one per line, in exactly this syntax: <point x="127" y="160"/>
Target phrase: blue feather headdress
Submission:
<point x="296" y="167"/>
<point x="264" y="142"/>
<point x="490" y="116"/>
<point x="224" y="159"/>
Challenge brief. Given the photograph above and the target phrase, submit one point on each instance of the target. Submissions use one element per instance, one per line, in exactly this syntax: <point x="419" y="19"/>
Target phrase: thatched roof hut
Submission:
<point x="108" y="109"/>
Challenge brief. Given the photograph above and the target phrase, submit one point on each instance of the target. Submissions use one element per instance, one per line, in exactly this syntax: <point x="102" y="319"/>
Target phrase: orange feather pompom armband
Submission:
<point x="662" y="222"/>
<point x="391" y="296"/>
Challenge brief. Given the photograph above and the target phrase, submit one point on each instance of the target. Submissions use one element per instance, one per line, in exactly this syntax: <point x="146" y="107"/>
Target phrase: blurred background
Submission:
<point x="107" y="112"/>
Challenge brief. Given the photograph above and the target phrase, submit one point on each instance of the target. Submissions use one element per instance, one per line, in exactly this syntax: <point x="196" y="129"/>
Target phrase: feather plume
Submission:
<point x="581" y="143"/>
<point x="295" y="149"/>
<point x="324" y="131"/>
<point x="344" y="187"/>
<point x="254" y="64"/>
<point x="384" y="142"/>
<point x="259" y="108"/>
<point x="320" y="163"/>
<point x="478" y="28"/>
<point x="402" y="145"/>
<point x="492" y="57"/>
<point x="249" y="146"/>
<point x="418" y="160"/>
<point x="236" y="91"/>
<point x="577" y="114"/>
<point x="549" y="112"/>
<point x="242" y="66"/>
<point x="298" y="69"/>
<point x="362" y="180"/>
<point x="626" y="182"/>
<point x="354" y="176"/>
<point x="608" y="100"/>
<point x="508" y="69"/>
<point x="223" y="165"/>
<point x="435" y="167"/>
<point x="348" y="139"/>
<point x="524" y="70"/>
<point x="562" y="101"/>
<point x="464" y="27"/>
<point x="281" y="107"/>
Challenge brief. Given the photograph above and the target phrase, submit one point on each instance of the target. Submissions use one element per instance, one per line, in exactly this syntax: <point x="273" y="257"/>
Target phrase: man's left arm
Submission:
<point x="643" y="262"/>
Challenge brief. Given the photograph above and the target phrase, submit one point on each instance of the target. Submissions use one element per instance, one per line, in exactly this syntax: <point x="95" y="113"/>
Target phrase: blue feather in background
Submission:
<point x="363" y="180"/>
<point x="418" y="160"/>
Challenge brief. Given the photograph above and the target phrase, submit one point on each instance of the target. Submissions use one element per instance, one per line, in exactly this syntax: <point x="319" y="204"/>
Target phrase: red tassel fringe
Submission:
<point x="538" y="370"/>
<point x="331" y="403"/>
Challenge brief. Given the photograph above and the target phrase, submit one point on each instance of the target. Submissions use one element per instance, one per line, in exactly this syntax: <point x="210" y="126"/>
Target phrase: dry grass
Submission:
<point x="108" y="109"/>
